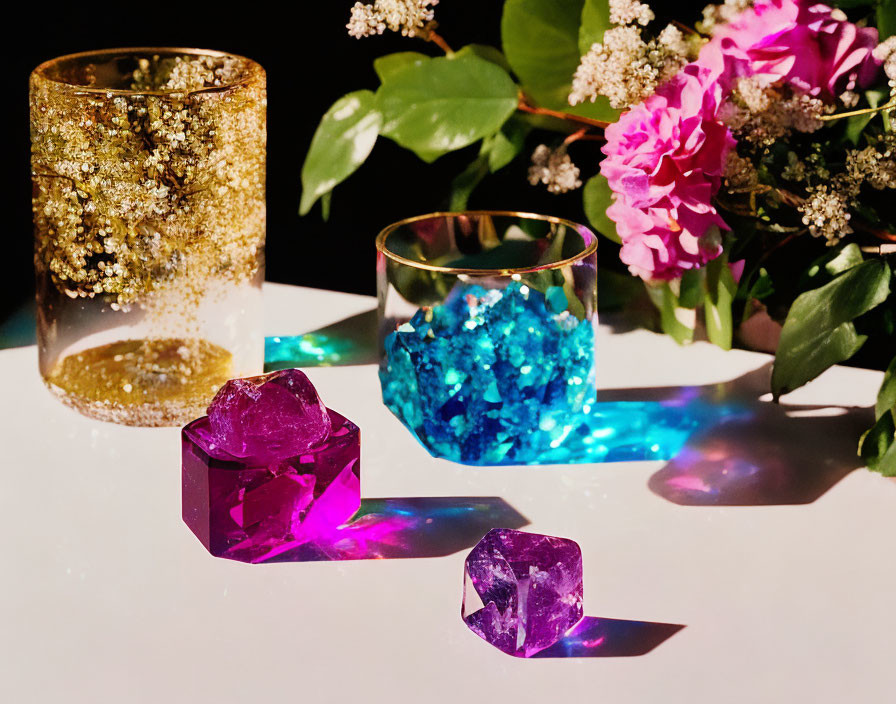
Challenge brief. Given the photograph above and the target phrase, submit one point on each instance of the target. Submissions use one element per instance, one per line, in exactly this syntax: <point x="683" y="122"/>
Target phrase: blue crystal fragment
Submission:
<point x="497" y="377"/>
<point x="491" y="376"/>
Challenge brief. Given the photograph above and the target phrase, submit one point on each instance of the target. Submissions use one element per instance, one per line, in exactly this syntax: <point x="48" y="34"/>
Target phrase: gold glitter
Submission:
<point x="160" y="177"/>
<point x="142" y="382"/>
<point x="148" y="170"/>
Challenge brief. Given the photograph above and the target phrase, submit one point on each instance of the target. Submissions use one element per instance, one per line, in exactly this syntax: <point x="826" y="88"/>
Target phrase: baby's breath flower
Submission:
<point x="714" y="15"/>
<point x="740" y="173"/>
<point x="409" y="17"/>
<point x="795" y="169"/>
<point x="626" y="69"/>
<point x="762" y="114"/>
<point x="826" y="212"/>
<point x="630" y="12"/>
<point x="554" y="169"/>
<point x="886" y="52"/>
<point x="868" y="165"/>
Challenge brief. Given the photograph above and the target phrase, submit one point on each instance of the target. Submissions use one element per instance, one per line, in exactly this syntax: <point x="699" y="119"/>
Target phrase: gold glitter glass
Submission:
<point x="148" y="170"/>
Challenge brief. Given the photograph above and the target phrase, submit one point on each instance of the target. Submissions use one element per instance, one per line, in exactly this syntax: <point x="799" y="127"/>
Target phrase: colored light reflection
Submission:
<point x="398" y="528"/>
<point x="631" y="431"/>
<point x="770" y="457"/>
<point x="610" y="638"/>
<point x="349" y="341"/>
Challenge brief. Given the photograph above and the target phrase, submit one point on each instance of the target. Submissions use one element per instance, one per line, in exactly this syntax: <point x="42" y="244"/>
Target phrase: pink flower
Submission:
<point x="665" y="160"/>
<point x="811" y="47"/>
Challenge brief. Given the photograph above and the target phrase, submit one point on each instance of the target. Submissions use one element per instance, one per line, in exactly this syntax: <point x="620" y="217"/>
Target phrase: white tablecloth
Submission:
<point x="106" y="596"/>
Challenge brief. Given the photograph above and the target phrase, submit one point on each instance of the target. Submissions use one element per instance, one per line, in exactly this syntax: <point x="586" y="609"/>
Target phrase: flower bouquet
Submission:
<point x="744" y="162"/>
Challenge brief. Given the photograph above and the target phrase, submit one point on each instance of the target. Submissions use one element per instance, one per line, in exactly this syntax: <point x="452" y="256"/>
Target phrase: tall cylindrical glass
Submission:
<point x="148" y="171"/>
<point x="487" y="332"/>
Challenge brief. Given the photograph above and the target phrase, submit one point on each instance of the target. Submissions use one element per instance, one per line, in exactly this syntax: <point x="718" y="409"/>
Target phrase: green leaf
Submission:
<point x="762" y="287"/>
<point x="677" y="322"/>
<point x="343" y="140"/>
<point x="692" y="293"/>
<point x="390" y="64"/>
<point x="596" y="198"/>
<point x="886" y="397"/>
<point x="819" y="332"/>
<point x="438" y="105"/>
<point x="847" y="258"/>
<point x="720" y="291"/>
<point x="541" y="42"/>
<point x="856" y="124"/>
<point x="326" y="200"/>
<point x="595" y="21"/>
<point x="877" y="447"/>
<point x="487" y="52"/>
<point x="886" y="18"/>
<point x="504" y="145"/>
<point x="465" y="183"/>
<point x="834" y="261"/>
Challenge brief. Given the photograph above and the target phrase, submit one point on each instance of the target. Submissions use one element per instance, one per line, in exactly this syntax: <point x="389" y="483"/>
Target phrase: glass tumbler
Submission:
<point x="148" y="170"/>
<point x="487" y="332"/>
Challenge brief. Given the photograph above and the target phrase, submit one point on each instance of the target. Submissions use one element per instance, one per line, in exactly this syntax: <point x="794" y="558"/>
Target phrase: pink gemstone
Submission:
<point x="268" y="417"/>
<point x="251" y="510"/>
<point x="522" y="591"/>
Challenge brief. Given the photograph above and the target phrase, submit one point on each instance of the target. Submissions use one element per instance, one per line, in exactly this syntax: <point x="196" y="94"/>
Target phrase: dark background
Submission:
<point x="310" y="61"/>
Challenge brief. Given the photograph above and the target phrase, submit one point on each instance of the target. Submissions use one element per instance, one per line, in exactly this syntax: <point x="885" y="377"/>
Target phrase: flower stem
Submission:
<point x="432" y="36"/>
<point x="866" y="111"/>
<point x="524" y="106"/>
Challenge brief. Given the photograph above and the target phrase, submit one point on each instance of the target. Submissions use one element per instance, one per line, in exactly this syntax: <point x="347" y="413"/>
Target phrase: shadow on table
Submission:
<point x="409" y="528"/>
<point x="764" y="454"/>
<point x="610" y="638"/>
<point x="349" y="341"/>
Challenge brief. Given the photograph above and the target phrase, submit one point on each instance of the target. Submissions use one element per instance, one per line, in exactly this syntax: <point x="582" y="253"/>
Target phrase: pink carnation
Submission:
<point x="811" y="47"/>
<point x="665" y="160"/>
<point x="666" y="156"/>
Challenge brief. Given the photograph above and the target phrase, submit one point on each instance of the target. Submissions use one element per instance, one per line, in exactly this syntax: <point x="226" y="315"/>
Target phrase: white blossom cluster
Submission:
<point x="410" y="17"/>
<point x="740" y="173"/>
<point x="886" y="52"/>
<point x="630" y="12"/>
<point x="826" y="212"/>
<point x="762" y="114"/>
<point x="868" y="165"/>
<point x="714" y="15"/>
<point x="625" y="68"/>
<point x="554" y="169"/>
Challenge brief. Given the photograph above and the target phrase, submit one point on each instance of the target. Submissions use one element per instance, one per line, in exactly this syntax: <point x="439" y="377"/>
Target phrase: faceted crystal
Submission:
<point x="522" y="591"/>
<point x="257" y="481"/>
<point x="268" y="417"/>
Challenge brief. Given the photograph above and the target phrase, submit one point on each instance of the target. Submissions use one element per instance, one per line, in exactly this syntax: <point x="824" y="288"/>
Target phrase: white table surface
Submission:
<point x="106" y="596"/>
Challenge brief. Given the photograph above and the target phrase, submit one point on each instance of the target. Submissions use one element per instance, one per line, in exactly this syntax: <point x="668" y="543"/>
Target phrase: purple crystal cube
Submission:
<point x="522" y="591"/>
<point x="254" y="508"/>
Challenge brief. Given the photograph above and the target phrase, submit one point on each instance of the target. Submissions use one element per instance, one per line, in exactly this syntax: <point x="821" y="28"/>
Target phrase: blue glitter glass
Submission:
<point x="496" y="377"/>
<point x="491" y="376"/>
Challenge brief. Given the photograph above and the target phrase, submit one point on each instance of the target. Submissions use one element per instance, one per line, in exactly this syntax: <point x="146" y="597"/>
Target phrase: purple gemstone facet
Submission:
<point x="273" y="497"/>
<point x="522" y="591"/>
<point x="268" y="417"/>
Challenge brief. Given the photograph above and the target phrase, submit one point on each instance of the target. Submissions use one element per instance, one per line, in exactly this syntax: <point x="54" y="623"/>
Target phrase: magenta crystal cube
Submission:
<point x="522" y="591"/>
<point x="254" y="509"/>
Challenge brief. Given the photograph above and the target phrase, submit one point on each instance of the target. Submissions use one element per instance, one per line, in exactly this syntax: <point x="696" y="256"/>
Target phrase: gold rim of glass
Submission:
<point x="43" y="68"/>
<point x="590" y="249"/>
